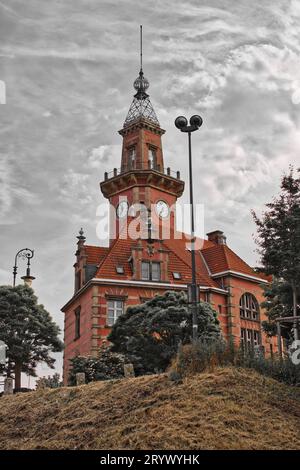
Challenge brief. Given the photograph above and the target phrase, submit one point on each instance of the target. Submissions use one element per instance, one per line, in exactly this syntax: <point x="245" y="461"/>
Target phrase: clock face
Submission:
<point x="122" y="209"/>
<point x="162" y="209"/>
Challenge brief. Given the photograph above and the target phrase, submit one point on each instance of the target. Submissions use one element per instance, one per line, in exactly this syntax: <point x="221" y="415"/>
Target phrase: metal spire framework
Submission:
<point x="141" y="106"/>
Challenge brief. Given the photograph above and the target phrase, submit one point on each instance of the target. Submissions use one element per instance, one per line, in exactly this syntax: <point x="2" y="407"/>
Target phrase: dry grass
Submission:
<point x="226" y="409"/>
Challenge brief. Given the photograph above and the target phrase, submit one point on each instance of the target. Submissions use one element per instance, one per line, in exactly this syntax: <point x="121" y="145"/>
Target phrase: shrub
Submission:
<point x="108" y="365"/>
<point x="149" y="333"/>
<point x="49" y="382"/>
<point x="206" y="355"/>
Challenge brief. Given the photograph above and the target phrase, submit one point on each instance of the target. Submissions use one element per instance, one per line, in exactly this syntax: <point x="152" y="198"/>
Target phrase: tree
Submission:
<point x="149" y="334"/>
<point x="49" y="382"/>
<point x="28" y="331"/>
<point x="108" y="365"/>
<point x="279" y="237"/>
<point x="278" y="303"/>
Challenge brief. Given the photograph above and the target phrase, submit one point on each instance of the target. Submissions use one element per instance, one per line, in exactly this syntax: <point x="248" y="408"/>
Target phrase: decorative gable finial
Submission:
<point x="81" y="235"/>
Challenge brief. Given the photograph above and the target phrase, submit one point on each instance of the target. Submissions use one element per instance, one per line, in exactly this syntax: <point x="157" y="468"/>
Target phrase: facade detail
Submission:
<point x="132" y="270"/>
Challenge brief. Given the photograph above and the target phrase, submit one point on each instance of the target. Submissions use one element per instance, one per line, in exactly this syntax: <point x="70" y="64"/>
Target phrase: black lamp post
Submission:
<point x="182" y="124"/>
<point x="25" y="253"/>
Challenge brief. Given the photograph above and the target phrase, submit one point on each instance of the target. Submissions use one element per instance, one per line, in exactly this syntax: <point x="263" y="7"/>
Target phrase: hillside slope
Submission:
<point x="226" y="409"/>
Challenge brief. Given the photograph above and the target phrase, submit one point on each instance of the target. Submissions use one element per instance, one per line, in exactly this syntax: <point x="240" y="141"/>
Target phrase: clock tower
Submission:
<point x="142" y="181"/>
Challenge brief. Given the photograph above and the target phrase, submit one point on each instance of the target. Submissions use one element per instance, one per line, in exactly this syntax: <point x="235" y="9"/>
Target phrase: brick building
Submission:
<point x="147" y="256"/>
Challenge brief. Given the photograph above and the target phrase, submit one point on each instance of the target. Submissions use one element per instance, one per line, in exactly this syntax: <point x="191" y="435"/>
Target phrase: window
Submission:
<point x="250" y="338"/>
<point x="120" y="269"/>
<point x="77" y="322"/>
<point x="150" y="271"/>
<point x="155" y="271"/>
<point x="152" y="157"/>
<point x="176" y="275"/>
<point x="145" y="271"/>
<point x="249" y="308"/>
<point x="115" y="308"/>
<point x="131" y="157"/>
<point x="77" y="281"/>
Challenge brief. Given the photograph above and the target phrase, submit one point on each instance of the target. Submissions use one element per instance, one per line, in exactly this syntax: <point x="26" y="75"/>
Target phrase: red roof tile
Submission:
<point x="210" y="259"/>
<point x="95" y="254"/>
<point x="221" y="258"/>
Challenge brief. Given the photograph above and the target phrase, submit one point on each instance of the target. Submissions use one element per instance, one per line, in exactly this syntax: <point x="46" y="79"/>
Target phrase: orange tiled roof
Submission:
<point x="211" y="258"/>
<point x="221" y="258"/>
<point x="179" y="261"/>
<point x="95" y="253"/>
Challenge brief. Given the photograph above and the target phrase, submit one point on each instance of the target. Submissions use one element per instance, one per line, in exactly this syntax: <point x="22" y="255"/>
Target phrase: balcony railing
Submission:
<point x="119" y="171"/>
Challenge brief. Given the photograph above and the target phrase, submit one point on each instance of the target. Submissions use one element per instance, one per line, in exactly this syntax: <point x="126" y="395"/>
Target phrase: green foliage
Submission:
<point x="149" y="334"/>
<point x="278" y="303"/>
<point x="27" y="329"/>
<point x="279" y="242"/>
<point x="279" y="232"/>
<point x="108" y="365"/>
<point x="49" y="382"/>
<point x="206" y="355"/>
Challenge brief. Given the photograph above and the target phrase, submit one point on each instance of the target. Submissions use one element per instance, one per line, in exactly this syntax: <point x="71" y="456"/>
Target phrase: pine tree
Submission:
<point x="149" y="334"/>
<point x="279" y="237"/>
<point x="28" y="331"/>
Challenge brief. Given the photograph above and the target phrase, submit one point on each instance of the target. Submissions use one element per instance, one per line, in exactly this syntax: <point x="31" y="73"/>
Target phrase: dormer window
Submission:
<point x="120" y="269"/>
<point x="152" y="158"/>
<point x="131" y="157"/>
<point x="151" y="271"/>
<point x="176" y="275"/>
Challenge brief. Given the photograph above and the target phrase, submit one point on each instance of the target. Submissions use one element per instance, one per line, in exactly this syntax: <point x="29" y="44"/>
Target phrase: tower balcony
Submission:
<point x="137" y="167"/>
<point x="120" y="179"/>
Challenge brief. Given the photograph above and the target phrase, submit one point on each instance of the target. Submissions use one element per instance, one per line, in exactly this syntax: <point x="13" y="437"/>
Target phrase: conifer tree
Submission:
<point x="149" y="334"/>
<point x="28" y="331"/>
<point x="279" y="238"/>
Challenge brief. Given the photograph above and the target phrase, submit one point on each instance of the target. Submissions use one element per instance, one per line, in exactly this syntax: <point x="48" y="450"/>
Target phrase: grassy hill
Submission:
<point x="226" y="409"/>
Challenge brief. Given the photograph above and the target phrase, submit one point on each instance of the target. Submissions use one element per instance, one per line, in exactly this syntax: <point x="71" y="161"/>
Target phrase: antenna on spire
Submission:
<point x="141" y="46"/>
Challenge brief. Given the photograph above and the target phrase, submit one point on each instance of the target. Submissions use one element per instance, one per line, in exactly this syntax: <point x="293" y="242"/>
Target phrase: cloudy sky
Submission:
<point x="68" y="67"/>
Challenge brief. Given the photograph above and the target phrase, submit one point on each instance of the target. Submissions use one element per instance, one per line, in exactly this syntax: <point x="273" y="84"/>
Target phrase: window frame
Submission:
<point x="77" y="313"/>
<point x="115" y="309"/>
<point x="152" y="161"/>
<point x="131" y="156"/>
<point x="249" y="307"/>
<point x="150" y="265"/>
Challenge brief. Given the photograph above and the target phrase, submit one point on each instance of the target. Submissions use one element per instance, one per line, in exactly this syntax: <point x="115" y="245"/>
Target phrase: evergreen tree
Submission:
<point x="278" y="303"/>
<point x="279" y="237"/>
<point x="28" y="331"/>
<point x="149" y="334"/>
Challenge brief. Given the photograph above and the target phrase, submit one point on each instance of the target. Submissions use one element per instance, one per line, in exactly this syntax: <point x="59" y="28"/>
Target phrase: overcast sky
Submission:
<point x="68" y="67"/>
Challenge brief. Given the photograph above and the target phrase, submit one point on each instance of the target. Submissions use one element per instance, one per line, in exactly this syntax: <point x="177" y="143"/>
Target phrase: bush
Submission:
<point x="206" y="355"/>
<point x="108" y="365"/>
<point x="149" y="333"/>
<point x="49" y="382"/>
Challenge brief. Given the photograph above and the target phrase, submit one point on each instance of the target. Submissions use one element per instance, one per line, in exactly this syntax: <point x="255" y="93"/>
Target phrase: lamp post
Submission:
<point x="25" y="253"/>
<point x="182" y="124"/>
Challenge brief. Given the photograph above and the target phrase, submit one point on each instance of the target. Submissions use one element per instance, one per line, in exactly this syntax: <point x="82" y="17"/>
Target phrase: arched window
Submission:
<point x="249" y="308"/>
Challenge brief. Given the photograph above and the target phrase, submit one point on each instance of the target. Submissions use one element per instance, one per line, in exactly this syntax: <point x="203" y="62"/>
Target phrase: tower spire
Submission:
<point x="141" y="46"/>
<point x="141" y="106"/>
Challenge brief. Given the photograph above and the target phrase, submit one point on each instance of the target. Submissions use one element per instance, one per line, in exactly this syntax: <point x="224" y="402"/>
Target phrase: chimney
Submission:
<point x="217" y="236"/>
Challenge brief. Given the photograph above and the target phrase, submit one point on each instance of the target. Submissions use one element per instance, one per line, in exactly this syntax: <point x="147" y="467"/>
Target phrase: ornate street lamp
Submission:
<point x="181" y="123"/>
<point x="25" y="253"/>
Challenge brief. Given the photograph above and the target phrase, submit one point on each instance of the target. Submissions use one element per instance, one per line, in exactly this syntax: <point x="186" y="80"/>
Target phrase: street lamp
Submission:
<point x="25" y="253"/>
<point x="181" y="123"/>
